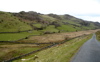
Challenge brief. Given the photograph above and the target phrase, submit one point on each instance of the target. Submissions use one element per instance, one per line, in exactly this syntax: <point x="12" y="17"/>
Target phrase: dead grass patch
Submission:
<point x="57" y="37"/>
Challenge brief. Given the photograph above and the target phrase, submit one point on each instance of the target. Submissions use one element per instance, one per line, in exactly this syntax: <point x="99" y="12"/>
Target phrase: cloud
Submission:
<point x="87" y="8"/>
<point x="72" y="6"/>
<point x="90" y="18"/>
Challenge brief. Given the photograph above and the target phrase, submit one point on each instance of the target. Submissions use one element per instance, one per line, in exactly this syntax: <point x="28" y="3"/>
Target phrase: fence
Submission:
<point x="15" y="32"/>
<point x="9" y="60"/>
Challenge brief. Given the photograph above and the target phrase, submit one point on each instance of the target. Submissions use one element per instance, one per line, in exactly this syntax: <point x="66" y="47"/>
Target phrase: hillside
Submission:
<point x="45" y="23"/>
<point x="55" y="23"/>
<point x="29" y="23"/>
<point x="10" y="23"/>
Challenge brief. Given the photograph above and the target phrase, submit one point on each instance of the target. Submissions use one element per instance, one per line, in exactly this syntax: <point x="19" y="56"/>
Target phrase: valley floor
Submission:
<point x="8" y="50"/>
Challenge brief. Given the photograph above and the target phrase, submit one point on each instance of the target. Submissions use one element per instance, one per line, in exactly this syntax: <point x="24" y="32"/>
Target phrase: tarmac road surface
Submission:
<point x="89" y="52"/>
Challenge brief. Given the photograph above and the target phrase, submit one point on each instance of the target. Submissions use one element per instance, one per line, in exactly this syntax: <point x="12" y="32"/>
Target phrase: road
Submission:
<point x="89" y="52"/>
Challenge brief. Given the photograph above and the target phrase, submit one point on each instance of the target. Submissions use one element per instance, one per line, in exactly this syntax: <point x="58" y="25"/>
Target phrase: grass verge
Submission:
<point x="98" y="35"/>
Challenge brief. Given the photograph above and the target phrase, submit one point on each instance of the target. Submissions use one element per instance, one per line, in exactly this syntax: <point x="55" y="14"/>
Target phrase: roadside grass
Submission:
<point x="17" y="36"/>
<point x="98" y="35"/>
<point x="59" y="53"/>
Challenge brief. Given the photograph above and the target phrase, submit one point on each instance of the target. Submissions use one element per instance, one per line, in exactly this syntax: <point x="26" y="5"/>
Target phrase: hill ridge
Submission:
<point x="50" y="23"/>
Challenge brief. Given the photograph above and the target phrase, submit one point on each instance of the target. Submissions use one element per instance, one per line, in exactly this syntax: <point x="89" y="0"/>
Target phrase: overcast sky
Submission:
<point x="84" y="9"/>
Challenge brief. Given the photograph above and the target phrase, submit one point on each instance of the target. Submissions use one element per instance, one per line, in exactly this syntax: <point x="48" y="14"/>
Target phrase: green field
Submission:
<point x="37" y="25"/>
<point x="68" y="28"/>
<point x="17" y="36"/>
<point x="50" y="28"/>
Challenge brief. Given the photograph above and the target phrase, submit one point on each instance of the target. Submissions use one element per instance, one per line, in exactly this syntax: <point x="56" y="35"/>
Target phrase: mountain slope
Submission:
<point x="59" y="21"/>
<point x="10" y="23"/>
<point x="45" y="23"/>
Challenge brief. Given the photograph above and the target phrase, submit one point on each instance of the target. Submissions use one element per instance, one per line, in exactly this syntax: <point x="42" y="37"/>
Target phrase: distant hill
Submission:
<point x="45" y="23"/>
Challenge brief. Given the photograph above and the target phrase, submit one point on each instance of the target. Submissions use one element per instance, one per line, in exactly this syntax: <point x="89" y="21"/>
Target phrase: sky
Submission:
<point x="85" y="9"/>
